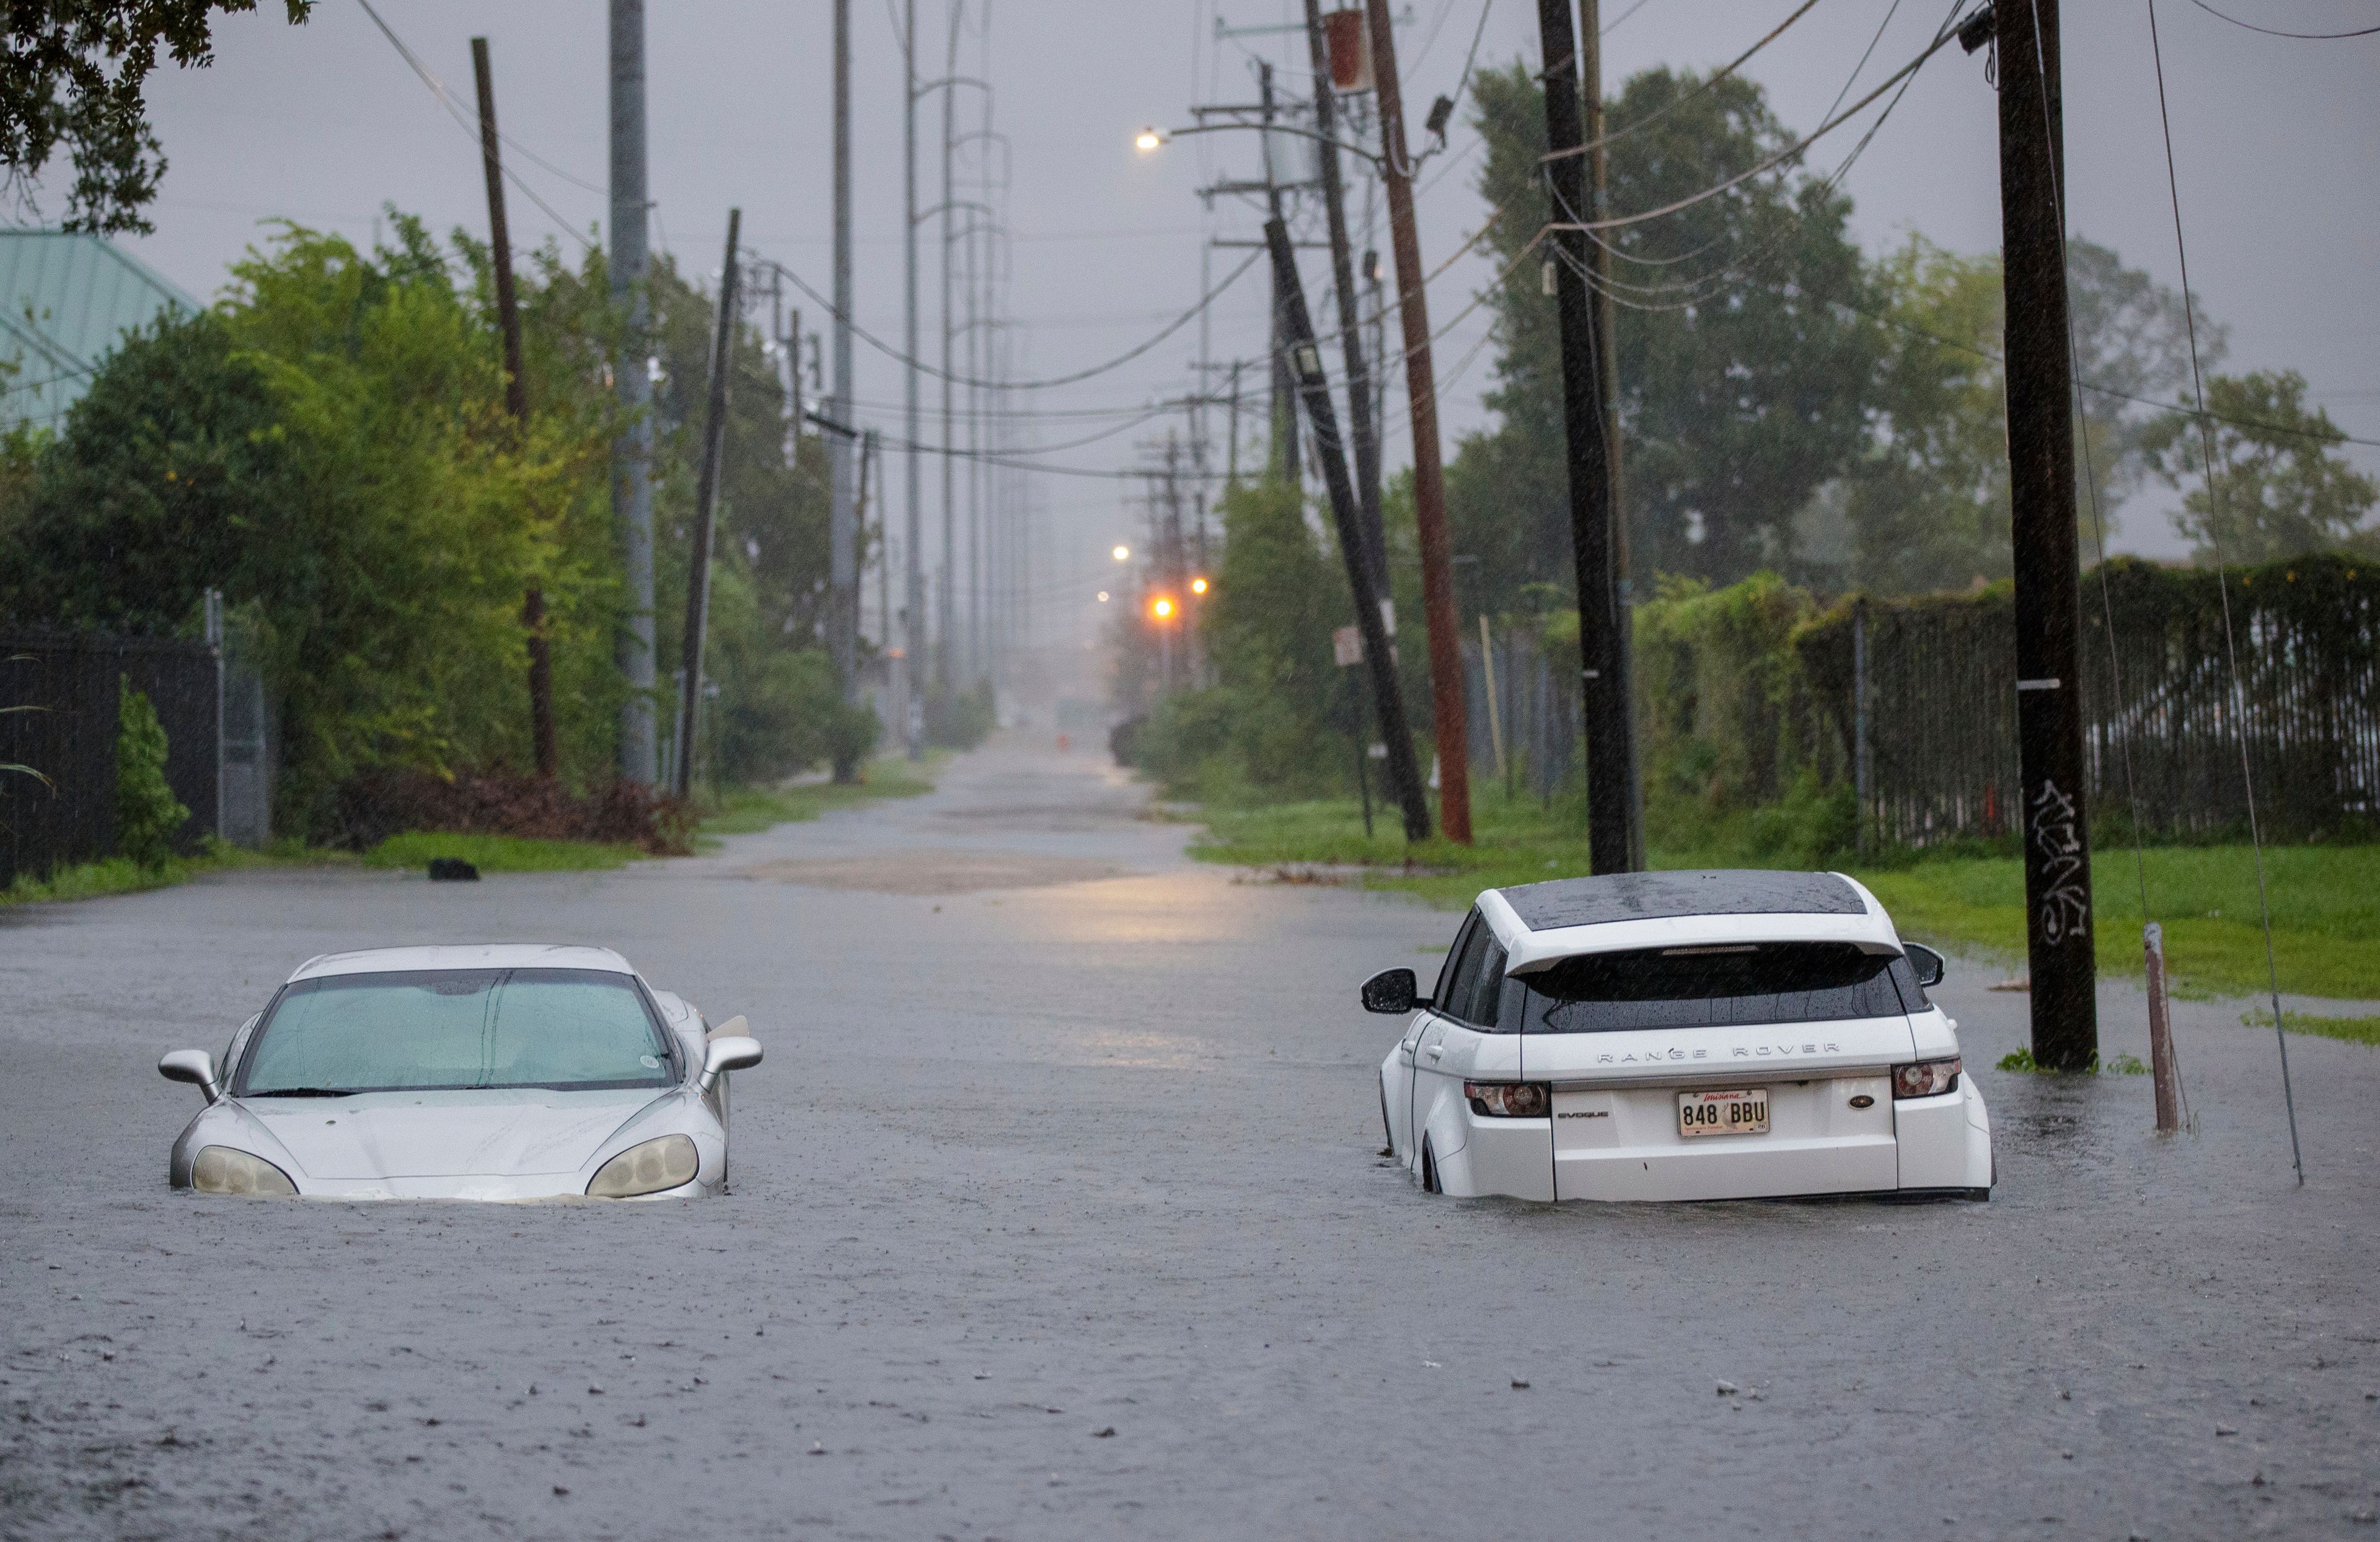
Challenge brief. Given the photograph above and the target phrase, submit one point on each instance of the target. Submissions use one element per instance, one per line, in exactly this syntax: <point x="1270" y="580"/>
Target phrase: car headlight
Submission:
<point x="646" y="1169"/>
<point x="220" y="1169"/>
<point x="1509" y="1100"/>
<point x="1927" y="1078"/>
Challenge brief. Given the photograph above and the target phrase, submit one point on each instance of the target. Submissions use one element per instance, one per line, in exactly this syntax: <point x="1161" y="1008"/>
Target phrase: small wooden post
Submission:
<point x="2161" y="1067"/>
<point x="1487" y="668"/>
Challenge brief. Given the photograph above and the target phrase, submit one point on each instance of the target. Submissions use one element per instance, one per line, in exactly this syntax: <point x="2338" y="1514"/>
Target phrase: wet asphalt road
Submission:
<point x="1065" y="1136"/>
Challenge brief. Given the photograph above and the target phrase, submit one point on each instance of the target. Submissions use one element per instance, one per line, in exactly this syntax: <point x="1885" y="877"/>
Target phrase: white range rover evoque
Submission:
<point x="1680" y="1036"/>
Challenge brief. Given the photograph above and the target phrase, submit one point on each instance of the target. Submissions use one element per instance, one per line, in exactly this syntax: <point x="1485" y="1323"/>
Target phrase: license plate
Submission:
<point x="1742" y="1112"/>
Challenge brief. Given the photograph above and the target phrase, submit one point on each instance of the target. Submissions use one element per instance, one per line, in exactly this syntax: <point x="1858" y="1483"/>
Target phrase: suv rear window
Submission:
<point x="1716" y="987"/>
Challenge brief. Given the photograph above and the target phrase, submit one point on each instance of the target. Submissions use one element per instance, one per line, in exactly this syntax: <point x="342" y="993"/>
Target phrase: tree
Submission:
<point x="2275" y="491"/>
<point x="1743" y="379"/>
<point x="1926" y="506"/>
<point x="72" y="74"/>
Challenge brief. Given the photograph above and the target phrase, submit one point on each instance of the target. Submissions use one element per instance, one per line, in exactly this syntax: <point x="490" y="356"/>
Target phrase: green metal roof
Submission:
<point x="65" y="300"/>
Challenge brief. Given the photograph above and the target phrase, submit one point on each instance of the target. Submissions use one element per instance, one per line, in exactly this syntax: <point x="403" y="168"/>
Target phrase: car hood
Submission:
<point x="496" y="1132"/>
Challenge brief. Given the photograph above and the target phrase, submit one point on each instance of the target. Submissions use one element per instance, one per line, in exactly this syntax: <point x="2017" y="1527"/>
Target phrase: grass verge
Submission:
<point x="2326" y="899"/>
<point x="120" y="874"/>
<point x="2355" y="1030"/>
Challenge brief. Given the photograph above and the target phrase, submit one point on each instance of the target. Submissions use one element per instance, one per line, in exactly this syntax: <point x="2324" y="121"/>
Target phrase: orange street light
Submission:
<point x="1161" y="607"/>
<point x="1197" y="586"/>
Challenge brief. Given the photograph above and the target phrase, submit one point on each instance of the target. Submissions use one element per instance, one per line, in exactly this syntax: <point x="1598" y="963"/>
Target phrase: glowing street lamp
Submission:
<point x="1161" y="607"/>
<point x="1103" y="597"/>
<point x="1122" y="553"/>
<point x="1197" y="586"/>
<point x="1147" y="140"/>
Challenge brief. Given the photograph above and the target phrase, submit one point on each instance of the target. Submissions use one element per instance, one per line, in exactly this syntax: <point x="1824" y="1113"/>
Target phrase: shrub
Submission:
<point x="375" y="805"/>
<point x="148" y="814"/>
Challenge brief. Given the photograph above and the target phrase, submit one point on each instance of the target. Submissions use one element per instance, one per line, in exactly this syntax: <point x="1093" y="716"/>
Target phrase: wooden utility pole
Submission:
<point x="1429" y="474"/>
<point x="1342" y="278"/>
<point x="1306" y="367"/>
<point x="706" y="500"/>
<point x="500" y="251"/>
<point x="2040" y="369"/>
<point x="1607" y="713"/>
<point x="1606" y="328"/>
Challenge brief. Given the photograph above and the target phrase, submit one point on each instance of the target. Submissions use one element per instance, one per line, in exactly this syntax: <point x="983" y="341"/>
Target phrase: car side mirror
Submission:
<point x="728" y="1054"/>
<point x="194" y="1066"/>
<point x="1391" y="990"/>
<point x="1929" y="965"/>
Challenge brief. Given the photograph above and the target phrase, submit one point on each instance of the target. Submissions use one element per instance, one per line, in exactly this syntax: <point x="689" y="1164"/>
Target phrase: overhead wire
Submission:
<point x="445" y="100"/>
<point x="1677" y="102"/>
<point x="2277" y="32"/>
<point x="2223" y="589"/>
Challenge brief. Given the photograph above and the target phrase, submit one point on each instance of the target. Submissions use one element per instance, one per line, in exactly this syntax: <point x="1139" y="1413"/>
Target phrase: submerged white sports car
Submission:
<point x="508" y="1072"/>
<point x="1680" y="1036"/>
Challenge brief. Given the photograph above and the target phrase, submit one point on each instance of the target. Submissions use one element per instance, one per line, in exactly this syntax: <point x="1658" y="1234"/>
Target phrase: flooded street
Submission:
<point x="1057" y="1211"/>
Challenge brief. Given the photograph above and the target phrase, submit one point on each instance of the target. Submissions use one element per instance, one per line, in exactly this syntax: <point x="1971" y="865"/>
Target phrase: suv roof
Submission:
<point x="1538" y="923"/>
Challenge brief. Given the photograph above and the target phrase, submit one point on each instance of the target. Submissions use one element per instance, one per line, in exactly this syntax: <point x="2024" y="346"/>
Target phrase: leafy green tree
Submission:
<point x="1742" y="388"/>
<point x="2276" y="490"/>
<point x="72" y="75"/>
<point x="1926" y="507"/>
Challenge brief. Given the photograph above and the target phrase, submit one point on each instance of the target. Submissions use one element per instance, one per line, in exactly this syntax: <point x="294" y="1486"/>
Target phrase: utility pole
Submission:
<point x="2040" y="372"/>
<point x="913" y="599"/>
<point x="842" y="510"/>
<point x="1590" y="50"/>
<point x="1429" y="474"/>
<point x="942" y="651"/>
<point x="1305" y="362"/>
<point x="706" y="499"/>
<point x="500" y="252"/>
<point x="1603" y="677"/>
<point x="1282" y="457"/>
<point x="1350" y="331"/>
<point x="632" y="452"/>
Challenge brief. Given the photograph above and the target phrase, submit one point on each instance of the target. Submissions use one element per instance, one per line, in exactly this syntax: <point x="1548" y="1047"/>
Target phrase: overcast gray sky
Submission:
<point x="323" y="124"/>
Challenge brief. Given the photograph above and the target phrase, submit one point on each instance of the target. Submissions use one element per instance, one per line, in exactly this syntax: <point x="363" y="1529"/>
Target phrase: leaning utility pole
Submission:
<point x="1282" y="458"/>
<point x="843" y="522"/>
<point x="1342" y="278"/>
<point x="2040" y="372"/>
<point x="1429" y="475"/>
<point x="1603" y="675"/>
<point x="632" y="452"/>
<point x="705" y="501"/>
<point x="913" y="584"/>
<point x="499" y="254"/>
<point x="1379" y="656"/>
<point x="1590" y="80"/>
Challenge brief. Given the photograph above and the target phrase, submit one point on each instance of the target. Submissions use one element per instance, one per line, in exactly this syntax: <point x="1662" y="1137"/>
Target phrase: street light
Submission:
<point x="1147" y="140"/>
<point x="1103" y="597"/>
<point x="1197" y="586"/>
<point x="1122" y="553"/>
<point x="1161" y="607"/>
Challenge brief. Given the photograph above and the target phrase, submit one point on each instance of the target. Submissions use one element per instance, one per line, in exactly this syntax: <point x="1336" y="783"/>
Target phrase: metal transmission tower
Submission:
<point x="632" y="452"/>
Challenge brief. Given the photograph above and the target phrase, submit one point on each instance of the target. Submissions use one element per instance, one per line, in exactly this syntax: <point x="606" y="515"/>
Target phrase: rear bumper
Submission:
<point x="1594" y="1149"/>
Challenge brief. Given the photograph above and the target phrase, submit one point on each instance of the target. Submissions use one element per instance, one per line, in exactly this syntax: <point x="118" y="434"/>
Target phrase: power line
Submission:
<point x="1125" y="358"/>
<point x="438" y="88"/>
<point x="2277" y="32"/>
<point x="1675" y="102"/>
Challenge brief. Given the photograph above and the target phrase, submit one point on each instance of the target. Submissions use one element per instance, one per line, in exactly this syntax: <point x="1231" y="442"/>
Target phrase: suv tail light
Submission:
<point x="1927" y="1078"/>
<point x="1509" y="1100"/>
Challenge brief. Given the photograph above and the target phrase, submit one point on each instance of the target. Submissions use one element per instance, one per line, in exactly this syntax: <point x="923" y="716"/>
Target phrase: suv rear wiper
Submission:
<point x="303" y="1092"/>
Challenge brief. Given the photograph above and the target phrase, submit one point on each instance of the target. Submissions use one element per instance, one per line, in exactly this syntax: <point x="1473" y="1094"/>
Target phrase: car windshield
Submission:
<point x="419" y="1030"/>
<point x="1717" y="987"/>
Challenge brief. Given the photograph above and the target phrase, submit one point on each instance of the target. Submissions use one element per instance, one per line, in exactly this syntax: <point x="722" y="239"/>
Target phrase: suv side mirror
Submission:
<point x="728" y="1054"/>
<point x="1928" y="964"/>
<point x="1391" y="990"/>
<point x="194" y="1066"/>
